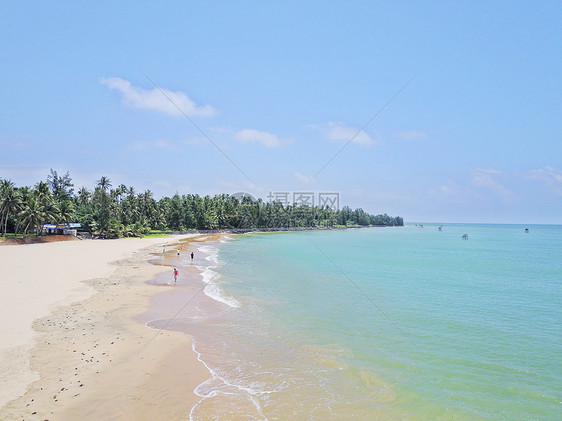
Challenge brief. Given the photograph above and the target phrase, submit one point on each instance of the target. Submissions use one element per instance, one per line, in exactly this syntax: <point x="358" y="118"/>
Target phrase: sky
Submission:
<point x="435" y="111"/>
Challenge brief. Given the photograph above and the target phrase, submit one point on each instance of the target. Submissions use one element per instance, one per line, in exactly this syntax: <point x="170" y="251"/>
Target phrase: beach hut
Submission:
<point x="61" y="229"/>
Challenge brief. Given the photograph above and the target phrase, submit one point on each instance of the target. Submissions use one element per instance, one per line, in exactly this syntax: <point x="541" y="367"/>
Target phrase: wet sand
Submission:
<point x="90" y="358"/>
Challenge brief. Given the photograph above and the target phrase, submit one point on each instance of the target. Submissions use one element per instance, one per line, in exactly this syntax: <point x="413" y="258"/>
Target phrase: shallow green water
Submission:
<point x="393" y="323"/>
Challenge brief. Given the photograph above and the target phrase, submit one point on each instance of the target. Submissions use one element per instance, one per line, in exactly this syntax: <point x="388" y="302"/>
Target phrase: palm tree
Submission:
<point x="119" y="192"/>
<point x="83" y="196"/>
<point x="103" y="209"/>
<point x="145" y="199"/>
<point x="43" y="193"/>
<point x="10" y="202"/>
<point x="24" y="194"/>
<point x="46" y="202"/>
<point x="104" y="183"/>
<point x="66" y="211"/>
<point x="32" y="214"/>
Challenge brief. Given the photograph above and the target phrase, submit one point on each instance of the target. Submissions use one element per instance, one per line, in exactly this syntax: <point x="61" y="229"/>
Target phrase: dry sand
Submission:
<point x="71" y="349"/>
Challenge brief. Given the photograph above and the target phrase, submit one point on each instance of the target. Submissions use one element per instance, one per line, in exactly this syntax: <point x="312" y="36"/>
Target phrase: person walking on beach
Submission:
<point x="175" y="275"/>
<point x="178" y="252"/>
<point x="191" y="255"/>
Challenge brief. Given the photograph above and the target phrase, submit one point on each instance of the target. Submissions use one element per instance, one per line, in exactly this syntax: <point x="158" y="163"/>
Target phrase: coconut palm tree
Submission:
<point x="145" y="202"/>
<point x="83" y="196"/>
<point x="66" y="211"/>
<point x="43" y="193"/>
<point x="46" y="203"/>
<point x="119" y="192"/>
<point x="10" y="202"/>
<point x="32" y="214"/>
<point x="104" y="183"/>
<point x="103" y="205"/>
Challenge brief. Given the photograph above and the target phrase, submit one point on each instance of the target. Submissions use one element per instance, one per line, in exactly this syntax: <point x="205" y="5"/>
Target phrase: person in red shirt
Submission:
<point x="175" y="275"/>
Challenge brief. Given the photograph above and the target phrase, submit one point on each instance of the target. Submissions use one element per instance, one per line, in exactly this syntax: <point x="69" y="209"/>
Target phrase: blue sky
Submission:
<point x="279" y="88"/>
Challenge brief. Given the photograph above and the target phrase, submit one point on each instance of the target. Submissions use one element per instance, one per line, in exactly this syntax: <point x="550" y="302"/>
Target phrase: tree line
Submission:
<point x="124" y="212"/>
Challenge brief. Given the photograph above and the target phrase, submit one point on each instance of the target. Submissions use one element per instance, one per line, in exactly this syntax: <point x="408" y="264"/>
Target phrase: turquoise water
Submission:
<point x="386" y="323"/>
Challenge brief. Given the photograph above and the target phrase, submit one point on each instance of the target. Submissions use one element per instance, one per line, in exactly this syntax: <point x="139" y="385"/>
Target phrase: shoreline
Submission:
<point x="282" y="229"/>
<point x="87" y="352"/>
<point x="191" y="301"/>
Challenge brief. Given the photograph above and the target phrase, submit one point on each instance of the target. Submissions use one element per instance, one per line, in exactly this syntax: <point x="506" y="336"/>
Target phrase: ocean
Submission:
<point x="381" y="324"/>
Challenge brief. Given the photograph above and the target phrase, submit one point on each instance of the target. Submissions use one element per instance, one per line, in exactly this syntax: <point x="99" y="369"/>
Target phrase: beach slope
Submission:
<point x="71" y="347"/>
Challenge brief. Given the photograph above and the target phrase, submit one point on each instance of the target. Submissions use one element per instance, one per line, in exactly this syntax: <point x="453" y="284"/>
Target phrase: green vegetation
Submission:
<point x="122" y="212"/>
<point x="158" y="233"/>
<point x="10" y="235"/>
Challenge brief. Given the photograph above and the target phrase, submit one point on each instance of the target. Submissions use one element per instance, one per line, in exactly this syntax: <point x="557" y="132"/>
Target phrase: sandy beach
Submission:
<point x="72" y="346"/>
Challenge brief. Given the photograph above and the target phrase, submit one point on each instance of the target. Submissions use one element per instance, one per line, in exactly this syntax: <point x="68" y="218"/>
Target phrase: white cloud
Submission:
<point x="410" y="135"/>
<point x="486" y="178"/>
<point x="447" y="189"/>
<point x="154" y="99"/>
<point x="303" y="177"/>
<point x="548" y="176"/>
<point x="340" y="132"/>
<point x="252" y="136"/>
